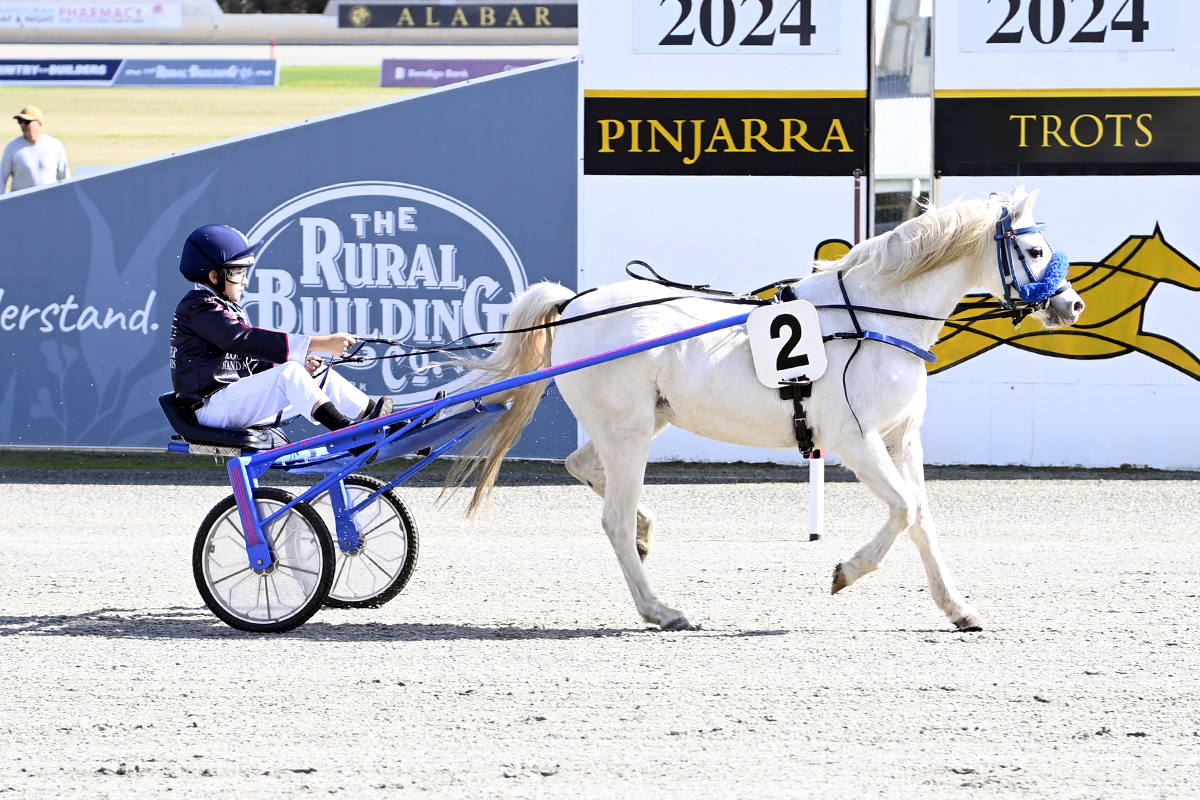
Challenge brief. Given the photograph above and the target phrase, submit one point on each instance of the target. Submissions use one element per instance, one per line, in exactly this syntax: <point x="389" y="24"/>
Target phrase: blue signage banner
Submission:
<point x="141" y="72"/>
<point x="202" y="72"/>
<point x="416" y="220"/>
<point x="79" y="72"/>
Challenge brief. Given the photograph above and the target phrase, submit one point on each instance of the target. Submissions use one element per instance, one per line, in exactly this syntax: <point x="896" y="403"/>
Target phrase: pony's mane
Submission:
<point x="938" y="237"/>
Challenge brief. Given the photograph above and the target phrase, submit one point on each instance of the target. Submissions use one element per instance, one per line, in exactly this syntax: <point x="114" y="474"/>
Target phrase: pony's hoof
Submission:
<point x="971" y="623"/>
<point x="839" y="580"/>
<point x="678" y="624"/>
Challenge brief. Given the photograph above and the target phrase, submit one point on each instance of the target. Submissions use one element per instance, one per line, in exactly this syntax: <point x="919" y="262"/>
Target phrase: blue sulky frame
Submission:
<point x="339" y="453"/>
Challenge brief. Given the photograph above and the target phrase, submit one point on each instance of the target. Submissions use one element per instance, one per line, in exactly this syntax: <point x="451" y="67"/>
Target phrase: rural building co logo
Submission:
<point x="385" y="260"/>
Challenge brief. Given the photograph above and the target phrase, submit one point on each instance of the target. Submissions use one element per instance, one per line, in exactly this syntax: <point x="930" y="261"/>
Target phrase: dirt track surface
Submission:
<point x="514" y="664"/>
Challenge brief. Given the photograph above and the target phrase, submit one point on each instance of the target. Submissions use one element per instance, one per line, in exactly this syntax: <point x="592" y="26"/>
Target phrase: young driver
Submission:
<point x="235" y="376"/>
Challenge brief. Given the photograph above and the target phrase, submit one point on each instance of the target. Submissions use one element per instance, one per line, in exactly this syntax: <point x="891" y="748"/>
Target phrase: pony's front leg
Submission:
<point x="868" y="457"/>
<point x="941" y="585"/>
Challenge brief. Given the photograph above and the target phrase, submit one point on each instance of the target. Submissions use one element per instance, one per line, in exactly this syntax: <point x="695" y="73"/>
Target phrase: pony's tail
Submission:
<point x="518" y="354"/>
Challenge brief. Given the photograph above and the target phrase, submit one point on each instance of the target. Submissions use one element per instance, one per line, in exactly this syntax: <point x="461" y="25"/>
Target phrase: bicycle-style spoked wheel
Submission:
<point x="273" y="600"/>
<point x="376" y="571"/>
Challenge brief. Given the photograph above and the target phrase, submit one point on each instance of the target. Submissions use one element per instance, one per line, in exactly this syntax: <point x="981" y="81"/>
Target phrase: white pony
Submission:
<point x="707" y="384"/>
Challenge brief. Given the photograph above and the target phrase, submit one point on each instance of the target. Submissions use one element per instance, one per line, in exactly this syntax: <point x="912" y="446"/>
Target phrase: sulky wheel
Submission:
<point x="264" y="601"/>
<point x="379" y="568"/>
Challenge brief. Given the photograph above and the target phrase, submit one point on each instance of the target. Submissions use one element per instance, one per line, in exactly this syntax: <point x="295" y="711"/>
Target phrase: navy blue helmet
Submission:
<point x="216" y="247"/>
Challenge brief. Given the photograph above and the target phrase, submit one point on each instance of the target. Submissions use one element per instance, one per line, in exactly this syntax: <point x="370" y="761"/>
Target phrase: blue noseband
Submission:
<point x="1052" y="278"/>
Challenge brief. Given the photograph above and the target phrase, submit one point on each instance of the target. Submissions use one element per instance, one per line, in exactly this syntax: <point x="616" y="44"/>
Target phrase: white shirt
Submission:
<point x="34" y="164"/>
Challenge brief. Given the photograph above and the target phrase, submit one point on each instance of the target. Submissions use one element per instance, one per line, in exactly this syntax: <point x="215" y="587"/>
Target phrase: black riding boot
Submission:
<point x="328" y="415"/>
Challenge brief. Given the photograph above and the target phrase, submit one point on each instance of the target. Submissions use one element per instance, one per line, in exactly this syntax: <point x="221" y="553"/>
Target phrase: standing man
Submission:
<point x="34" y="158"/>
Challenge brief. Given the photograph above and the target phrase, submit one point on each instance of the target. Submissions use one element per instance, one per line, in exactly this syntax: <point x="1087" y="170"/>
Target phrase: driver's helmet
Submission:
<point x="218" y="247"/>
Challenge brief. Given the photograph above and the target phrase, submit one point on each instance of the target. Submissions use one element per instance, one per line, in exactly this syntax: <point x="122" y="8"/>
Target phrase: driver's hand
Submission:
<point x="312" y="364"/>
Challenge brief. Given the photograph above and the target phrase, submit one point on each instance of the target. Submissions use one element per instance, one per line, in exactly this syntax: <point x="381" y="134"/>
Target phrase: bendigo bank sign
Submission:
<point x="385" y="260"/>
<point x="724" y="133"/>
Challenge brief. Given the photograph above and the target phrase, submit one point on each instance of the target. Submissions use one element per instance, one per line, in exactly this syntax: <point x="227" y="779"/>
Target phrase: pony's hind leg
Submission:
<point x="585" y="465"/>
<point x="621" y="436"/>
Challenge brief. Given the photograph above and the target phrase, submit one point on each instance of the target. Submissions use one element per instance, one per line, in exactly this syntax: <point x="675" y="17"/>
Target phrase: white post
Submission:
<point x="816" y="494"/>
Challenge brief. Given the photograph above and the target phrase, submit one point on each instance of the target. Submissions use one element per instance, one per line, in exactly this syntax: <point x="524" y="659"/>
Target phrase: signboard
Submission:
<point x="424" y="244"/>
<point x="441" y="72"/>
<point x="700" y="133"/>
<point x="388" y="260"/>
<point x="450" y="15"/>
<point x="720" y="143"/>
<point x="202" y="72"/>
<point x="759" y="27"/>
<point x="92" y="15"/>
<point x="1106" y="129"/>
<point x="1043" y="26"/>
<point x="80" y="72"/>
<point x="141" y="72"/>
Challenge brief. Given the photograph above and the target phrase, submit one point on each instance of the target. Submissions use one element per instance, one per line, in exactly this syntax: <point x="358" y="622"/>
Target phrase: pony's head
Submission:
<point x="1028" y="277"/>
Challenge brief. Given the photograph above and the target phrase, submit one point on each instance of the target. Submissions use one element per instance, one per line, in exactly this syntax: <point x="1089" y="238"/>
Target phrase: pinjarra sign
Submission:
<point x="385" y="260"/>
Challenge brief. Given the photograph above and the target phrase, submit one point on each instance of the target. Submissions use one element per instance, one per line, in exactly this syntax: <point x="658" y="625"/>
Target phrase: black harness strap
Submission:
<point x="857" y="346"/>
<point x="797" y="391"/>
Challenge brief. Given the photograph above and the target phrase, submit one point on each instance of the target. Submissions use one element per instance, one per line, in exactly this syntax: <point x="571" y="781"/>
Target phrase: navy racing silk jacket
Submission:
<point x="213" y="345"/>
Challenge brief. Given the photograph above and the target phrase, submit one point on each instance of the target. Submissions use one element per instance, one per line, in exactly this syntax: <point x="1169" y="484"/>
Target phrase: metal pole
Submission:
<point x="857" y="206"/>
<point x="816" y="494"/>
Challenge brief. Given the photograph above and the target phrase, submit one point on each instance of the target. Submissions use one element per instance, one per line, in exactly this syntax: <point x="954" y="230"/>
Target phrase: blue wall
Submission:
<point x="416" y="219"/>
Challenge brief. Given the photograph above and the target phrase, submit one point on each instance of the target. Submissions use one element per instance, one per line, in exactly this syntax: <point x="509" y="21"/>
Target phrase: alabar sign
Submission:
<point x="391" y="261"/>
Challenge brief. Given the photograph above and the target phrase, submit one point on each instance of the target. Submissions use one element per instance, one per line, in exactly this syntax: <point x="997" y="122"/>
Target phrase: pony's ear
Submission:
<point x="1019" y="194"/>
<point x="1024" y="202"/>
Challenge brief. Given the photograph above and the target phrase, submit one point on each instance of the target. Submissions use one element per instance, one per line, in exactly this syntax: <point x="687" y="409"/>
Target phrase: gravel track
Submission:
<point x="514" y="664"/>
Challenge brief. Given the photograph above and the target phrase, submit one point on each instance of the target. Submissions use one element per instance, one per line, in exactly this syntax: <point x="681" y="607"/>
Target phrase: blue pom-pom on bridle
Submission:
<point x="1052" y="278"/>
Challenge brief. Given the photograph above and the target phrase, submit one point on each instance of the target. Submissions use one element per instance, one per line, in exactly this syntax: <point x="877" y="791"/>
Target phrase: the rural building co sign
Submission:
<point x="1095" y="104"/>
<point x="435" y="15"/>
<point x="430" y="246"/>
<point x="386" y="260"/>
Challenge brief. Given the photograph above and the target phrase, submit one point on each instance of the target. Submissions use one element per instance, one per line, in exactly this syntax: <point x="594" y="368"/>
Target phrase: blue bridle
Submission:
<point x="1033" y="295"/>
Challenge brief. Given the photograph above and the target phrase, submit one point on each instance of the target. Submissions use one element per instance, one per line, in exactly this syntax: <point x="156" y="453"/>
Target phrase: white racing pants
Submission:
<point x="285" y="389"/>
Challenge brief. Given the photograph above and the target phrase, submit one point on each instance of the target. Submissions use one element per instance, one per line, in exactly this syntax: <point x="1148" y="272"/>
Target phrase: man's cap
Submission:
<point x="29" y="113"/>
<point x="212" y="247"/>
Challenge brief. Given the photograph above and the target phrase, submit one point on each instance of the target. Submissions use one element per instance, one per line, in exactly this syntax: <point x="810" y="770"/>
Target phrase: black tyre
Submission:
<point x="380" y="567"/>
<point x="277" y="599"/>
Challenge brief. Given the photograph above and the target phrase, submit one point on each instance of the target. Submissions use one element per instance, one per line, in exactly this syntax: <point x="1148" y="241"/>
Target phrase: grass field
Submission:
<point x="102" y="125"/>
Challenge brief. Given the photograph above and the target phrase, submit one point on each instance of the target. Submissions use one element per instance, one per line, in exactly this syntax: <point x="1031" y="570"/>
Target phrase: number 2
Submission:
<point x="761" y="39"/>
<point x="673" y="38"/>
<point x="787" y="359"/>
<point x="1096" y="37"/>
<point x="1008" y="38"/>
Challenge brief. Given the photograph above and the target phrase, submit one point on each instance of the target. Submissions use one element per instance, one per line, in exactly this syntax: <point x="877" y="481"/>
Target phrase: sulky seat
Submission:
<point x="258" y="437"/>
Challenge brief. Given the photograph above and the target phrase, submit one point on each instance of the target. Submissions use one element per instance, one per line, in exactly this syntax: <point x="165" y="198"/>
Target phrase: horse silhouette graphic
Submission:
<point x="1115" y="290"/>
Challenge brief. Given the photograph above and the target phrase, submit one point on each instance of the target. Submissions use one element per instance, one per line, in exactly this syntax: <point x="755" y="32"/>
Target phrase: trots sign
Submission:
<point x="385" y="260"/>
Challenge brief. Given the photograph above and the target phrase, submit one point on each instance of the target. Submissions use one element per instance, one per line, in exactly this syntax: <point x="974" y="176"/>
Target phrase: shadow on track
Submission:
<point x="197" y="623"/>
